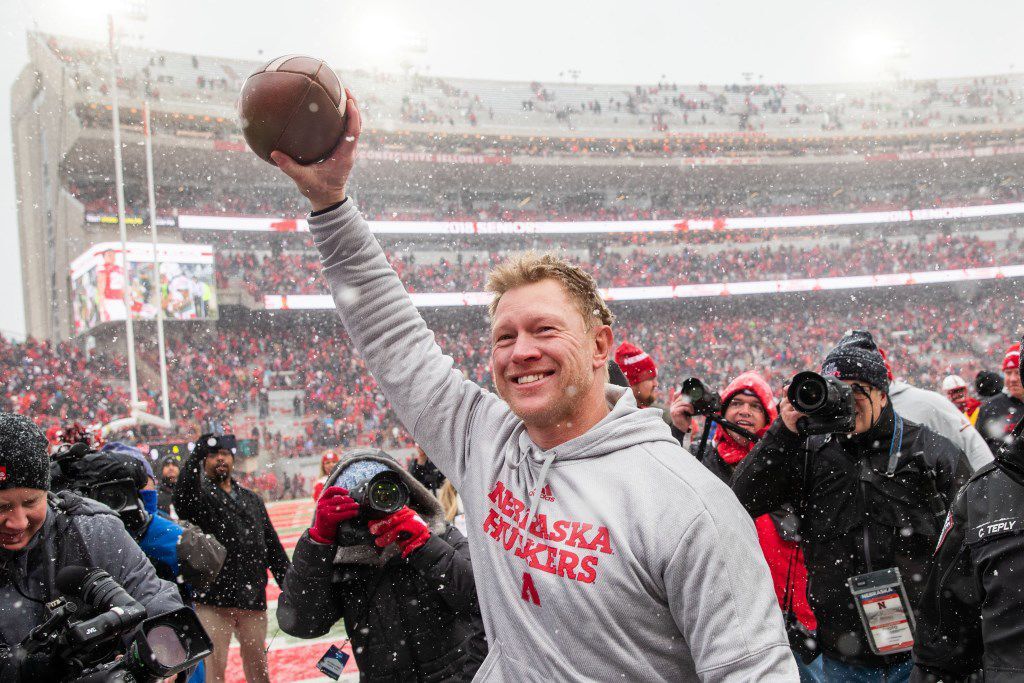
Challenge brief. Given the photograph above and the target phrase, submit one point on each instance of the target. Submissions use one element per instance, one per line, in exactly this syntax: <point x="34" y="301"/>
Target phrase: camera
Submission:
<point x="826" y="402"/>
<point x="705" y="401"/>
<point x="85" y="626"/>
<point x="379" y="495"/>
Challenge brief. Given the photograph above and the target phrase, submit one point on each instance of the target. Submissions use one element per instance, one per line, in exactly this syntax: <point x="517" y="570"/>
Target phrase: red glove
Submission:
<point x="334" y="507"/>
<point x="405" y="527"/>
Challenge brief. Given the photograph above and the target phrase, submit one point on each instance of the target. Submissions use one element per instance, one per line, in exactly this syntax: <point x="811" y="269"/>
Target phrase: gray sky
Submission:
<point x="687" y="42"/>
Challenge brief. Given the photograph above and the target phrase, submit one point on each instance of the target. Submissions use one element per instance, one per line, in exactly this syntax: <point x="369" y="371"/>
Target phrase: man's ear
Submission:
<point x="603" y="344"/>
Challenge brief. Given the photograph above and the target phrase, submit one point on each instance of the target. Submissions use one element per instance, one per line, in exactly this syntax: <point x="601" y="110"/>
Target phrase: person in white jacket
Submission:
<point x="604" y="551"/>
<point x="934" y="410"/>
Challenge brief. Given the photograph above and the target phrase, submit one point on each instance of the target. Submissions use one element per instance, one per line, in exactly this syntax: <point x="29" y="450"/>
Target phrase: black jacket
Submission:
<point x="243" y="527"/>
<point x="409" y="620"/>
<point x="997" y="417"/>
<point x="855" y="518"/>
<point x="970" y="616"/>
<point x="427" y="474"/>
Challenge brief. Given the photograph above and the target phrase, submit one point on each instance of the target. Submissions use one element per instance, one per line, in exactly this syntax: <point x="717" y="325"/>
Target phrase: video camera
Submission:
<point x="379" y="490"/>
<point x="84" y="628"/>
<point x="111" y="478"/>
<point x="826" y="402"/>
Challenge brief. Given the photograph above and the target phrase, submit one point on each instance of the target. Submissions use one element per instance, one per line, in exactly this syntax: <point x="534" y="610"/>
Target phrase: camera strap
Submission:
<point x="895" y="446"/>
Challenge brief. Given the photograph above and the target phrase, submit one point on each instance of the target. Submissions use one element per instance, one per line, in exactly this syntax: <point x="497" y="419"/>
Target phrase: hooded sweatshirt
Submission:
<point x="612" y="556"/>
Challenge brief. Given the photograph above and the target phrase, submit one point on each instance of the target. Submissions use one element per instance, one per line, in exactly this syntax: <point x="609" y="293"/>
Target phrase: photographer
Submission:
<point x="210" y="498"/>
<point x="403" y="584"/>
<point x="870" y="489"/>
<point x="41" y="533"/>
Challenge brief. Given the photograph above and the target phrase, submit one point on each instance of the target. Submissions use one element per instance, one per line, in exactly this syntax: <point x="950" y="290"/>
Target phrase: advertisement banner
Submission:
<point x="282" y="302"/>
<point x="187" y="287"/>
<point x="282" y="224"/>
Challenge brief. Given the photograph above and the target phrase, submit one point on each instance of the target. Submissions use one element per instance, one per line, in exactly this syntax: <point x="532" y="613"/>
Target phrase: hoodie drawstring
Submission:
<point x="548" y="459"/>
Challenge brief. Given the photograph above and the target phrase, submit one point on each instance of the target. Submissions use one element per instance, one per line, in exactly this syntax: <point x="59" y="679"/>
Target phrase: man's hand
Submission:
<point x="404" y="527"/>
<point x="681" y="411"/>
<point x="324" y="183"/>
<point x="790" y="415"/>
<point x="334" y="507"/>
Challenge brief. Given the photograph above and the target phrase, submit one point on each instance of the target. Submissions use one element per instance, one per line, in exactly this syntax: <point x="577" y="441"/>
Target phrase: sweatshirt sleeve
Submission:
<point x="399" y="350"/>
<point x="726" y="609"/>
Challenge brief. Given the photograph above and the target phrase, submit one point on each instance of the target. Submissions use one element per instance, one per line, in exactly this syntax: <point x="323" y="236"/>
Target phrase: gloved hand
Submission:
<point x="334" y="507"/>
<point x="405" y="527"/>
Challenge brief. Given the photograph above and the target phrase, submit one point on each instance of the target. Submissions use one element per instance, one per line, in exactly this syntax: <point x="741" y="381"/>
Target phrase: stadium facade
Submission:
<point x="480" y="150"/>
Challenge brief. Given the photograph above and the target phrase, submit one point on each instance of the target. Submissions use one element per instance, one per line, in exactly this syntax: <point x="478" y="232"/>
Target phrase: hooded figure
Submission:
<point x="404" y="586"/>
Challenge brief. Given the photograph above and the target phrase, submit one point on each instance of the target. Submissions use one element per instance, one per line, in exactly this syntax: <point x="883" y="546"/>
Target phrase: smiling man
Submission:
<point x="602" y="551"/>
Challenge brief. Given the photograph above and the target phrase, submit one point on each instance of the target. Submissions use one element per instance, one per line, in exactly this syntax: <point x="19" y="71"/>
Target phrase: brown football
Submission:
<point x="294" y="104"/>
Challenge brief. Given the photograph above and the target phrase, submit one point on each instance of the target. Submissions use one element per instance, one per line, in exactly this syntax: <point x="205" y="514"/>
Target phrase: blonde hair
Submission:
<point x="449" y="500"/>
<point x="530" y="267"/>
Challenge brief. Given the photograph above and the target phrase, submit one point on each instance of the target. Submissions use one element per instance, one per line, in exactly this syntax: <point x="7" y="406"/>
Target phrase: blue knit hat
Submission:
<point x="362" y="470"/>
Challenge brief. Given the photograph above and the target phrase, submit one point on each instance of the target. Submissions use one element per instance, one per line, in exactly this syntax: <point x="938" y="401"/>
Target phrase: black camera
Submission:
<point x="381" y="495"/>
<point x="83" y="631"/>
<point x="826" y="402"/>
<point x="705" y="401"/>
<point x="378" y="496"/>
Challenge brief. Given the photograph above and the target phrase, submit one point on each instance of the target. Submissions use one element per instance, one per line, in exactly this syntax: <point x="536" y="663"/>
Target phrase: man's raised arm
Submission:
<point x="433" y="400"/>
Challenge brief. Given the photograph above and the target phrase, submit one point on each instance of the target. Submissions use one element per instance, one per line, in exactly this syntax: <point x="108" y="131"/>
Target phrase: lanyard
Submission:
<point x="895" y="446"/>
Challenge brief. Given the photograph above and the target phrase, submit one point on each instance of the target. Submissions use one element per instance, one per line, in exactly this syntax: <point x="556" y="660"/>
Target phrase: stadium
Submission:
<point x="731" y="227"/>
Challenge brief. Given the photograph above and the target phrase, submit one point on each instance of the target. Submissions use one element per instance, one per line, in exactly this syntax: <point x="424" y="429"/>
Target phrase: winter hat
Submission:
<point x="24" y="460"/>
<point x="1011" y="361"/>
<point x="126" y="449"/>
<point x="749" y="384"/>
<point x="856" y="357"/>
<point x="635" y="364"/>
<point x="952" y="382"/>
<point x="988" y="383"/>
<point x="355" y="474"/>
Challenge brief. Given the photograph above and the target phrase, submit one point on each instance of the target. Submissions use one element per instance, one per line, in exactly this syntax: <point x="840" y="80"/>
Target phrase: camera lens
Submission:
<point x="385" y="495"/>
<point x="694" y="389"/>
<point x="115" y="498"/>
<point x="810" y="393"/>
<point x="165" y="644"/>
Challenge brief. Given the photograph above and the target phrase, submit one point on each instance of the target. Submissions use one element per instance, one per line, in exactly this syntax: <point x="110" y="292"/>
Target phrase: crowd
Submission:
<point x="298" y="272"/>
<point x="605" y="200"/>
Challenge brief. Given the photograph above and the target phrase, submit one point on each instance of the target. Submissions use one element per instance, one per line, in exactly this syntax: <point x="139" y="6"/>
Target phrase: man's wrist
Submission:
<point x="327" y="203"/>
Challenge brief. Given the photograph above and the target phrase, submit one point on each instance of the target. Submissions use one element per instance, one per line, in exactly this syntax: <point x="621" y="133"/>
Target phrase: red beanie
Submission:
<point x="1010" y="361"/>
<point x="636" y="365"/>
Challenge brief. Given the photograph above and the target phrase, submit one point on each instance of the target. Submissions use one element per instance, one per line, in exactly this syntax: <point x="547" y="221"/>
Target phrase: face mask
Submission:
<point x="149" y="498"/>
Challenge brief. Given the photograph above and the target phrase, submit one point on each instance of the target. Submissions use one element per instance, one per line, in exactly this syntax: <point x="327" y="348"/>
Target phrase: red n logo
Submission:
<point x="529" y="590"/>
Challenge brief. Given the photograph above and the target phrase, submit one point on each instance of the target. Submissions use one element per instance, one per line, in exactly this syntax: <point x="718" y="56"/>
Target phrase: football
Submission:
<point x="294" y="104"/>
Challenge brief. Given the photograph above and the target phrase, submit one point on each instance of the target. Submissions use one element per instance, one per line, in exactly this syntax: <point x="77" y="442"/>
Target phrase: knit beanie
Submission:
<point x="856" y="357"/>
<point x="635" y="364"/>
<point x="1011" y="360"/>
<point x="24" y="460"/>
<point x="988" y="383"/>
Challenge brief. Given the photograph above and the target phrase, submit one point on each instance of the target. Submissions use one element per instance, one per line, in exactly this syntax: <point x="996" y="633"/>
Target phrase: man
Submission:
<point x="1000" y="414"/>
<point x="603" y="552"/>
<point x="40" y="533"/>
<point x="870" y="501"/>
<point x="169" y="471"/>
<point x="210" y="498"/>
<point x="640" y="372"/>
<point x="426" y="472"/>
<point x="955" y="389"/>
<point x="970" y="614"/>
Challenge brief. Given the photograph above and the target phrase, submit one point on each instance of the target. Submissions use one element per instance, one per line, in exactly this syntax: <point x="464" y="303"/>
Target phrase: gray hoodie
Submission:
<point x="937" y="412"/>
<point x="613" y="556"/>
